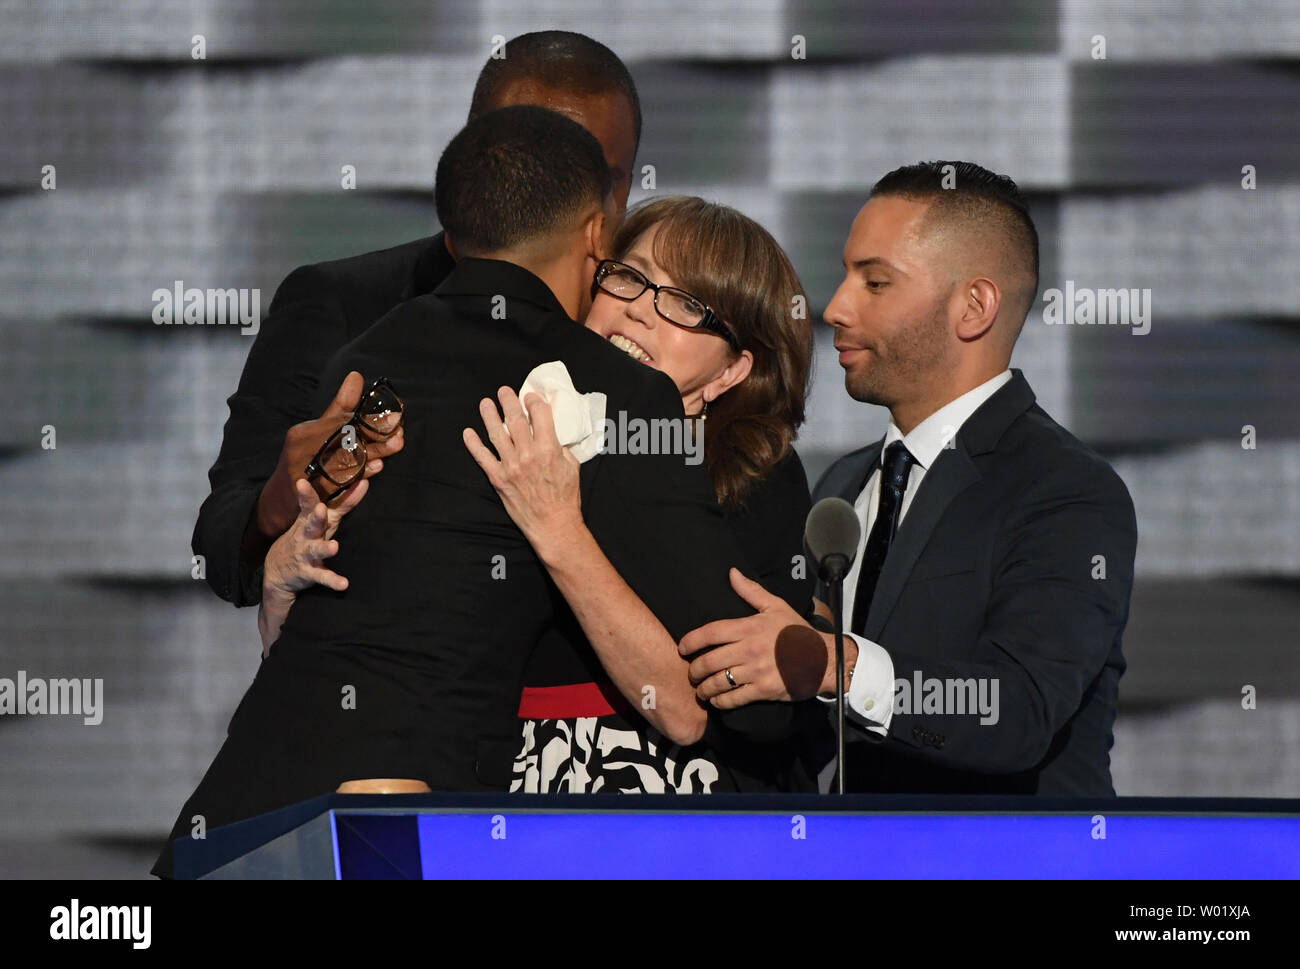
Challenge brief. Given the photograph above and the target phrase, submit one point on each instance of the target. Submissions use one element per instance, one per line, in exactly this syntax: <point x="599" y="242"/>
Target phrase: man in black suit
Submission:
<point x="273" y="429"/>
<point x="446" y="600"/>
<point x="991" y="587"/>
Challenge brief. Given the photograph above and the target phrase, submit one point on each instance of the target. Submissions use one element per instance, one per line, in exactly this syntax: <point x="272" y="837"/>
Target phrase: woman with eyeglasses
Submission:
<point x="705" y="295"/>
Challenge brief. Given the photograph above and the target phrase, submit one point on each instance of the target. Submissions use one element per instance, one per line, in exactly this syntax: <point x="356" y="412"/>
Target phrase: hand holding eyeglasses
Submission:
<point x="344" y="458"/>
<point x="277" y="505"/>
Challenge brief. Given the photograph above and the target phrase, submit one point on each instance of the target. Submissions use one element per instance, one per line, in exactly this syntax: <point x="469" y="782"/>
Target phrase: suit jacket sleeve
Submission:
<point x="658" y="521"/>
<point x="1051" y="621"/>
<point x="304" y="326"/>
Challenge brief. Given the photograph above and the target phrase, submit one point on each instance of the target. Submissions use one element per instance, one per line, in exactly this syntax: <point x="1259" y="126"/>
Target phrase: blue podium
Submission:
<point x="470" y="836"/>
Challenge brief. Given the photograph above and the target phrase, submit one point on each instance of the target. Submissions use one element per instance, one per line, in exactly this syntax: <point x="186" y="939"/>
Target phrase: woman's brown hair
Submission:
<point x="735" y="266"/>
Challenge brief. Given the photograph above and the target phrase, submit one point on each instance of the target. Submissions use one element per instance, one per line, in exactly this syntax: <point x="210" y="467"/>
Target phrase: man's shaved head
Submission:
<point x="576" y="76"/>
<point x="978" y="224"/>
<point x="557" y="59"/>
<point x="940" y="271"/>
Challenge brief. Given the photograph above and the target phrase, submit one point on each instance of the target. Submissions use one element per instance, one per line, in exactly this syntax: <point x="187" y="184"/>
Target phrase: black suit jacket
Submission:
<point x="996" y="573"/>
<point x="436" y="567"/>
<point x="316" y="310"/>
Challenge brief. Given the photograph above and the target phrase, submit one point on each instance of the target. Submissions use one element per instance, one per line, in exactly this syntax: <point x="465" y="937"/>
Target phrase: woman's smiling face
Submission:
<point x="700" y="363"/>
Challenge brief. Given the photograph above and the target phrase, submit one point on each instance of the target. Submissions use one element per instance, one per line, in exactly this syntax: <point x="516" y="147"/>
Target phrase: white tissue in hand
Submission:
<point x="579" y="418"/>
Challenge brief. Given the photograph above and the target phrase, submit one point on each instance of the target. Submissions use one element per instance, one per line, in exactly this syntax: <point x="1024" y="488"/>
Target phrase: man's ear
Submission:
<point x="602" y="245"/>
<point x="596" y="233"/>
<point x="980" y="300"/>
<point x="451" y="247"/>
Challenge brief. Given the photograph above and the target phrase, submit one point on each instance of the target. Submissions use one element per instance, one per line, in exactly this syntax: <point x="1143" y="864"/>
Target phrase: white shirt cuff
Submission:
<point x="870" y="700"/>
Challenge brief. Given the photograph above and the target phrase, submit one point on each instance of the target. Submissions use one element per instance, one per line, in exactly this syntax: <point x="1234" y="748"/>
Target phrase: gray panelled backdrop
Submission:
<point x="226" y="171"/>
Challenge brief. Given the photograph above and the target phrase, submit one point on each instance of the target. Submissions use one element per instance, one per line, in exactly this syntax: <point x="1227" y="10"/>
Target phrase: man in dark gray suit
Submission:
<point x="991" y="587"/>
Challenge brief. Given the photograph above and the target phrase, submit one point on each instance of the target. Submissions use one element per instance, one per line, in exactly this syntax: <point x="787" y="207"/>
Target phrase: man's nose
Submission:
<point x="835" y="314"/>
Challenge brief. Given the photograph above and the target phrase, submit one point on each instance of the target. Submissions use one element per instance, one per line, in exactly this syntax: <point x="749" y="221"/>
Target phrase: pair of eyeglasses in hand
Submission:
<point x="341" y="460"/>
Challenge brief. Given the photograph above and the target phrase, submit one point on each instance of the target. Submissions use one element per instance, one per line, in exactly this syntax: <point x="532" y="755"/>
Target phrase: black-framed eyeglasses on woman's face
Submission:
<point x="675" y="305"/>
<point x="341" y="460"/>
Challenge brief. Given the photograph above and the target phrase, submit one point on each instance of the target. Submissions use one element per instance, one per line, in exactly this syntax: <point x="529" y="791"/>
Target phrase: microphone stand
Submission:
<point x="835" y="589"/>
<point x="833" y="530"/>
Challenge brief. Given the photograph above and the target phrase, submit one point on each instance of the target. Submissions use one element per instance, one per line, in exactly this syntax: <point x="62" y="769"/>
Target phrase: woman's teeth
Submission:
<point x="628" y="347"/>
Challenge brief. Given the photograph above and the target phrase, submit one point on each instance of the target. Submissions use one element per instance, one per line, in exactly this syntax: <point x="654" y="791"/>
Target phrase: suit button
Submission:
<point x="917" y="733"/>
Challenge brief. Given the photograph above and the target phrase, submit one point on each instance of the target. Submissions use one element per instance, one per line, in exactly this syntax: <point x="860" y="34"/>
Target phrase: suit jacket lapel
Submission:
<point x="951" y="474"/>
<point x="861" y="473"/>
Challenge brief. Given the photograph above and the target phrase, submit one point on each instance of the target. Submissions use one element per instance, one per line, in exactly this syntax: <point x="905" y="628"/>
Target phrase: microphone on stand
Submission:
<point x="831" y="537"/>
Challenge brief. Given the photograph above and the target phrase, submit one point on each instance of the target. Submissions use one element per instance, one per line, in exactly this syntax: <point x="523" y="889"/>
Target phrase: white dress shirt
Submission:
<point x="870" y="698"/>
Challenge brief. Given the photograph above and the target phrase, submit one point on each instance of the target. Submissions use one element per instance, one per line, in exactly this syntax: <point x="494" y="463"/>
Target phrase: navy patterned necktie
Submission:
<point x="896" y="468"/>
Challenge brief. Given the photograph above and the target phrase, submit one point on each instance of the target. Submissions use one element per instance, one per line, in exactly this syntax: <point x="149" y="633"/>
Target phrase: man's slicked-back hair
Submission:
<point x="970" y="195"/>
<point x="558" y="59"/>
<point x="516" y="175"/>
